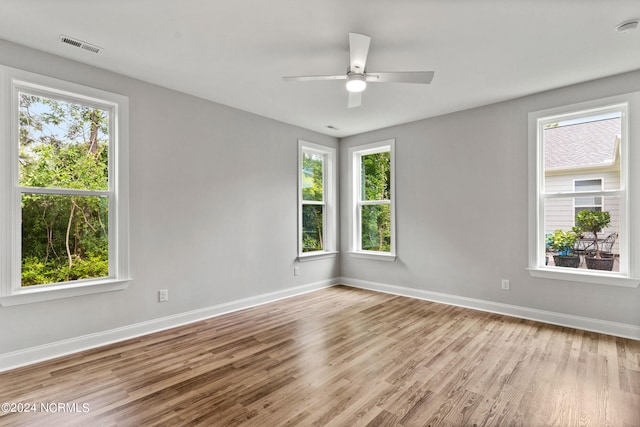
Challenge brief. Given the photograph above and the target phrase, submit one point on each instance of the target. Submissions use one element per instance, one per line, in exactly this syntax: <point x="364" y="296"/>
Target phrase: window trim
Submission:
<point x="11" y="293"/>
<point x="329" y="179"/>
<point x="355" y="242"/>
<point x="629" y="105"/>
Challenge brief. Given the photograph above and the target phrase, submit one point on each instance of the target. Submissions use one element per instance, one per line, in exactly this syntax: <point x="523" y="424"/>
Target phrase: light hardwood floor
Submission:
<point x="342" y="357"/>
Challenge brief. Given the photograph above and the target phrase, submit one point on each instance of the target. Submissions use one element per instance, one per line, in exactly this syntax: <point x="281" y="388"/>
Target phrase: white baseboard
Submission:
<point x="585" y="323"/>
<point x="61" y="348"/>
<point x="40" y="353"/>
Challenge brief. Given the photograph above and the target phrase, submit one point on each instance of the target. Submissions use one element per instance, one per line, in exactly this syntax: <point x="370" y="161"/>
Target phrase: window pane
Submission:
<point x="572" y="147"/>
<point x="588" y="185"/>
<point x="376" y="176"/>
<point x="376" y="228"/>
<point x="588" y="201"/>
<point x="312" y="228"/>
<point x="312" y="177"/>
<point x="64" y="238"/>
<point x="62" y="144"/>
<point x="559" y="214"/>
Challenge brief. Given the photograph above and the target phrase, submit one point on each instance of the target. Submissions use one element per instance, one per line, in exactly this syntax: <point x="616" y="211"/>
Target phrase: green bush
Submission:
<point x="37" y="272"/>
<point x="562" y="241"/>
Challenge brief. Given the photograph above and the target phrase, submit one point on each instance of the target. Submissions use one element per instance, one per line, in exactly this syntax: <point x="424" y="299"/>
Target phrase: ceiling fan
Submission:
<point x="357" y="76"/>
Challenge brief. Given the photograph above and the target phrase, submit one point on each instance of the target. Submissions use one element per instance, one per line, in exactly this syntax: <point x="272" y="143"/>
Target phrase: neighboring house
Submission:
<point x="582" y="156"/>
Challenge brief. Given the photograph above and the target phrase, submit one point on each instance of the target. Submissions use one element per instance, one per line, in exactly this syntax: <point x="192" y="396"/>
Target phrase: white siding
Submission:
<point x="559" y="213"/>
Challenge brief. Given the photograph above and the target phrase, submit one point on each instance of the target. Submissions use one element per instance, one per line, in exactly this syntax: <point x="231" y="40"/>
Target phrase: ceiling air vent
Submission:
<point x="79" y="43"/>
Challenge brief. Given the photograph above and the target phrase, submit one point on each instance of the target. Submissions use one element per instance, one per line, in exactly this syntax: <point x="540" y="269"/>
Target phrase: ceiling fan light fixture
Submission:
<point x="356" y="82"/>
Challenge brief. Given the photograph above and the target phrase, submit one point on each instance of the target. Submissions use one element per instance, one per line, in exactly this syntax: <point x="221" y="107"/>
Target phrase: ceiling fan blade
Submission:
<point x="310" y="78"/>
<point x="355" y="99"/>
<point x="423" y="77"/>
<point x="358" y="51"/>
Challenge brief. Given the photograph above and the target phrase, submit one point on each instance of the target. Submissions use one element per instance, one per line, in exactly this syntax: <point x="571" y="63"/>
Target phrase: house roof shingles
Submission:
<point x="582" y="145"/>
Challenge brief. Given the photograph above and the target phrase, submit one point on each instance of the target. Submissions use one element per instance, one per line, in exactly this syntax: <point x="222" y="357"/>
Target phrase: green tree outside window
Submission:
<point x="313" y="202"/>
<point x="375" y="180"/>
<point x="63" y="145"/>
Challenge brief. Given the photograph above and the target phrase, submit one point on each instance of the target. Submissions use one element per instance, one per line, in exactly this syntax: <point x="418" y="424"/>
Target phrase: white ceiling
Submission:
<point x="236" y="52"/>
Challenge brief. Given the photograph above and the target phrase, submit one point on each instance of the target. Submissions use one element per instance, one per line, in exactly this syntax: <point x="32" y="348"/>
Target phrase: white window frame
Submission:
<point x="356" y="203"/>
<point x="329" y="228"/>
<point x="629" y="192"/>
<point x="11" y="292"/>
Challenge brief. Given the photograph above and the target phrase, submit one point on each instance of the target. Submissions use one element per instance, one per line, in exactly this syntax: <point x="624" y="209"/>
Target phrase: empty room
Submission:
<point x="336" y="213"/>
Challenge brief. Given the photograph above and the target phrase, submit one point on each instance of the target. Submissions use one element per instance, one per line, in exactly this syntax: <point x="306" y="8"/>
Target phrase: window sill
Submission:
<point x="380" y="256"/>
<point x="594" y="277"/>
<point x="312" y="256"/>
<point x="47" y="293"/>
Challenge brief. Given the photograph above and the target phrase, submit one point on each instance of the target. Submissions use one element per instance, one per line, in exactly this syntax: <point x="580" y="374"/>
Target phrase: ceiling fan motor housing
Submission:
<point x="356" y="82"/>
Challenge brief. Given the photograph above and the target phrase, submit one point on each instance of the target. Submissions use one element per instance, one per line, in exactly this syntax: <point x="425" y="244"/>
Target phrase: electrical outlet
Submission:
<point x="505" y="284"/>
<point x="296" y="271"/>
<point x="163" y="295"/>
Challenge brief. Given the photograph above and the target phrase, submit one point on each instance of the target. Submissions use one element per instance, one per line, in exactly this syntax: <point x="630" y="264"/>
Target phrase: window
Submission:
<point x="579" y="162"/>
<point x="373" y="212"/>
<point x="316" y="195"/>
<point x="65" y="175"/>
<point x="592" y="203"/>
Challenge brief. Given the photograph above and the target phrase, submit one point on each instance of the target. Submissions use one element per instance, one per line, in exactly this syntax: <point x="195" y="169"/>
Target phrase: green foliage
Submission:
<point x="63" y="145"/>
<point x="376" y="185"/>
<point x="312" y="177"/>
<point x="312" y="190"/>
<point x="37" y="272"/>
<point x="593" y="222"/>
<point x="562" y="241"/>
<point x="65" y="166"/>
<point x="376" y="228"/>
<point x="376" y="176"/>
<point x="312" y="228"/>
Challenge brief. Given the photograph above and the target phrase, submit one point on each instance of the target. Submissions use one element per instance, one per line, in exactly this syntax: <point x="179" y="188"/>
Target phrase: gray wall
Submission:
<point x="213" y="209"/>
<point x="461" y="182"/>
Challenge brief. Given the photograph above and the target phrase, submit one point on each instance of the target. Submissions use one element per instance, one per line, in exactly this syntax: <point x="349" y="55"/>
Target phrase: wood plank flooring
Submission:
<point x="340" y="357"/>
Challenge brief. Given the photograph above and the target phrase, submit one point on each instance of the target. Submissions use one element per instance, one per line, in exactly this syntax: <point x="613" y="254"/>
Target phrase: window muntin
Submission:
<point x="316" y="210"/>
<point x="618" y="187"/>
<point x="64" y="182"/>
<point x="373" y="211"/>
